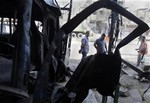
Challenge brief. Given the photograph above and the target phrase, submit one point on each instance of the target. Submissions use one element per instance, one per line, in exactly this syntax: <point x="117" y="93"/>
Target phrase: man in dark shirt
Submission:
<point x="100" y="45"/>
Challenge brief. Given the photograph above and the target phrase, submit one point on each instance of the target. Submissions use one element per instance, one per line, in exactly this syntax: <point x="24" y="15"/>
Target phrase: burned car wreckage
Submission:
<point x="30" y="50"/>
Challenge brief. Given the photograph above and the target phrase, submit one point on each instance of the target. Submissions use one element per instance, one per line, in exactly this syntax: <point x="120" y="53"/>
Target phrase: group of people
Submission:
<point x="101" y="47"/>
<point x="99" y="44"/>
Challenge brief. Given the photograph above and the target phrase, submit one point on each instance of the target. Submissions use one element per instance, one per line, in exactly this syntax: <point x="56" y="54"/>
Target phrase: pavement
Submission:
<point x="130" y="85"/>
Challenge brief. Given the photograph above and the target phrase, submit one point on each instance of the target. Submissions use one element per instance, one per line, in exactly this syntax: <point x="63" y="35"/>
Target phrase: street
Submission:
<point x="127" y="52"/>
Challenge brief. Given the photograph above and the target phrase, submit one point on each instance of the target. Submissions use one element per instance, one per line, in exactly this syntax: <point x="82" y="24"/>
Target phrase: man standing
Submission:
<point x="100" y="45"/>
<point x="85" y="44"/>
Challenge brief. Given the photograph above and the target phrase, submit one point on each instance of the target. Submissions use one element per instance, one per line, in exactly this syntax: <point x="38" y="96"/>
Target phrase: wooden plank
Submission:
<point x="137" y="69"/>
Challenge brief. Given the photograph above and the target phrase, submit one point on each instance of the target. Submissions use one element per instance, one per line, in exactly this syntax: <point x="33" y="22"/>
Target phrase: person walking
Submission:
<point x="100" y="44"/>
<point x="85" y="44"/>
<point x="142" y="50"/>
